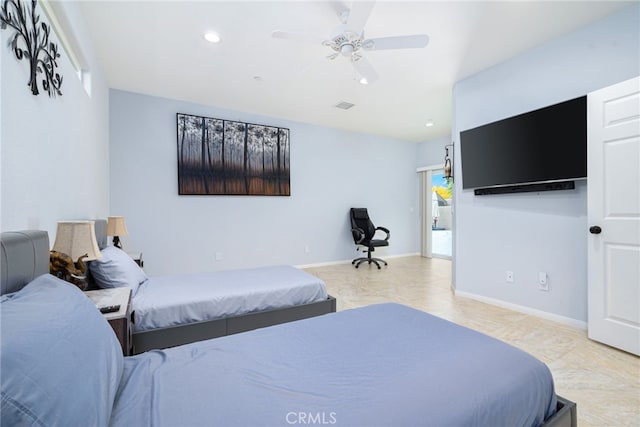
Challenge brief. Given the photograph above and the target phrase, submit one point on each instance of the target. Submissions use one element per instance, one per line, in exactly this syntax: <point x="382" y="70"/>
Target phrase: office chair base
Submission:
<point x="370" y="260"/>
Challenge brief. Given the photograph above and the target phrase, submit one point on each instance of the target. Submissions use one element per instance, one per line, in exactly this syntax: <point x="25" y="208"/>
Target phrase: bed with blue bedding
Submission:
<point x="179" y="309"/>
<point x="385" y="364"/>
<point x="167" y="301"/>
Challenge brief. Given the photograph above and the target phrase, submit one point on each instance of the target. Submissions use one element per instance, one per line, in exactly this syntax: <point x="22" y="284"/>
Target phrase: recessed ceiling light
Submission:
<point x="212" y="37"/>
<point x="429" y="124"/>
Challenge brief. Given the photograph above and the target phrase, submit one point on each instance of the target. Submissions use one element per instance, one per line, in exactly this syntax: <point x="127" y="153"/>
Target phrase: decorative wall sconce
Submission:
<point x="448" y="166"/>
<point x="31" y="41"/>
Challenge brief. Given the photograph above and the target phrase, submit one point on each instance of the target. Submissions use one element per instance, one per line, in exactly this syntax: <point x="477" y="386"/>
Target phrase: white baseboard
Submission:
<point x="510" y="306"/>
<point x="322" y="264"/>
<point x="348" y="261"/>
<point x="526" y="310"/>
<point x="402" y="255"/>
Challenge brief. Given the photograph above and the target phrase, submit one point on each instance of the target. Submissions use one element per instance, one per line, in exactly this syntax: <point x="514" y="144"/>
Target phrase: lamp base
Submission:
<point x="116" y="242"/>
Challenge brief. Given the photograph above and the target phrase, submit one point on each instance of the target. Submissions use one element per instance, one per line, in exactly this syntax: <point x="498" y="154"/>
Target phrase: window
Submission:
<point x="60" y="25"/>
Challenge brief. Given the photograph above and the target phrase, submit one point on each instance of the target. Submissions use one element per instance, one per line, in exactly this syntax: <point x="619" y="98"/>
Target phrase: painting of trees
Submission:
<point x="218" y="157"/>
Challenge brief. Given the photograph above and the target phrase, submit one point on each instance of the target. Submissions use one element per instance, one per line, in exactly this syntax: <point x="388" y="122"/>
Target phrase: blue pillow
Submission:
<point x="116" y="269"/>
<point x="61" y="361"/>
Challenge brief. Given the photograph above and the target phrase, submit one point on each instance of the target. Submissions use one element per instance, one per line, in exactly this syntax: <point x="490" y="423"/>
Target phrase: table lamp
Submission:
<point x="75" y="240"/>
<point x="116" y="228"/>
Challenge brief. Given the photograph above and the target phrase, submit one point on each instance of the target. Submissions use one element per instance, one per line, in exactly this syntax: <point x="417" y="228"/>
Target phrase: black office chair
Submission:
<point x="363" y="232"/>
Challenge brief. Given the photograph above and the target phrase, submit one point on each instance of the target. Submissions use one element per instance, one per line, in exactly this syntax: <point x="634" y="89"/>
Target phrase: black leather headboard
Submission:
<point x="25" y="256"/>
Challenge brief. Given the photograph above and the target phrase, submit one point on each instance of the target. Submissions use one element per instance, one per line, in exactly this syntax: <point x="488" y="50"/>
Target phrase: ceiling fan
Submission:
<point x="348" y="39"/>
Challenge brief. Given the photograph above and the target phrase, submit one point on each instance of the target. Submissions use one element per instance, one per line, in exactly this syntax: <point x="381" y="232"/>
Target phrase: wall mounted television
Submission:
<point x="544" y="149"/>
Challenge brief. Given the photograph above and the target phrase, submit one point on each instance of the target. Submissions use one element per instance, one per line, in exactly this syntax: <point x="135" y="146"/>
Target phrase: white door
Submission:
<point x="613" y="117"/>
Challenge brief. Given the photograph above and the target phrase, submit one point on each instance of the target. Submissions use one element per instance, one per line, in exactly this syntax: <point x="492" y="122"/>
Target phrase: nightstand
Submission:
<point x="119" y="320"/>
<point x="137" y="257"/>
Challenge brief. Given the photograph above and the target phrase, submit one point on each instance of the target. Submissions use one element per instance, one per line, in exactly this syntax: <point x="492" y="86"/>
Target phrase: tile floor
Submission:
<point x="604" y="382"/>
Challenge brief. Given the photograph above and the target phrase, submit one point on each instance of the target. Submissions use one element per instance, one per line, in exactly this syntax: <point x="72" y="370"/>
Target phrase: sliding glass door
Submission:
<point x="441" y="224"/>
<point x="436" y="206"/>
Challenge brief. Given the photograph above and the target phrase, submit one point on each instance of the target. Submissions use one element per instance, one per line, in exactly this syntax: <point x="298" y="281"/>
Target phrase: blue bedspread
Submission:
<point x="167" y="301"/>
<point x="385" y="364"/>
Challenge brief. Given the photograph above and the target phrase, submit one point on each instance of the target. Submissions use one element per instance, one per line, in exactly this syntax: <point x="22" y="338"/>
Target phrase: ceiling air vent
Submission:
<point x="344" y="105"/>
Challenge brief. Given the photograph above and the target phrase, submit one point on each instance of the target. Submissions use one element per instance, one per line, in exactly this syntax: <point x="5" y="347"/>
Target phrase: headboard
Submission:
<point x="101" y="232"/>
<point x="25" y="256"/>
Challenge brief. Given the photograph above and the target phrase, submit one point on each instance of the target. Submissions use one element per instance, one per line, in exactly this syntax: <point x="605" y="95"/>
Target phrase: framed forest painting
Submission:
<point x="222" y="157"/>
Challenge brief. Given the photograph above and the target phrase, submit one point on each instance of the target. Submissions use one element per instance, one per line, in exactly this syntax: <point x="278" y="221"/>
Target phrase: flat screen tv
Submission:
<point x="548" y="145"/>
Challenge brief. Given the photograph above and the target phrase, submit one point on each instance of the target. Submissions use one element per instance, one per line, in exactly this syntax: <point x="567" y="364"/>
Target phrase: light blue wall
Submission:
<point x="60" y="162"/>
<point x="431" y="153"/>
<point x="331" y="171"/>
<point x="532" y="232"/>
<point x="54" y="150"/>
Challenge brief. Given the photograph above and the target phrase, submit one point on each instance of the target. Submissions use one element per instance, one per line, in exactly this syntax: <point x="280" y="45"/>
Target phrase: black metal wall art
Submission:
<point x="31" y="42"/>
<point x="222" y="157"/>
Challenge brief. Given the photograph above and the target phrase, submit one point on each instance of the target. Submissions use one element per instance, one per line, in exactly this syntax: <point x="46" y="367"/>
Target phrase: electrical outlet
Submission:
<point x="543" y="281"/>
<point x="218" y="256"/>
<point x="307" y="249"/>
<point x="509" y="276"/>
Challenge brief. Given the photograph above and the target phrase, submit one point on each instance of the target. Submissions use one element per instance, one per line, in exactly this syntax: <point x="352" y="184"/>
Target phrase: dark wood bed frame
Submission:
<point x="25" y="255"/>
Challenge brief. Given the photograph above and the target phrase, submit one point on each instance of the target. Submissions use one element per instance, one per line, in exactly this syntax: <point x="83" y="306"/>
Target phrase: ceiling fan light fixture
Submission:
<point x="348" y="39"/>
<point x="212" y="37"/>
<point x="346" y="49"/>
<point x="364" y="81"/>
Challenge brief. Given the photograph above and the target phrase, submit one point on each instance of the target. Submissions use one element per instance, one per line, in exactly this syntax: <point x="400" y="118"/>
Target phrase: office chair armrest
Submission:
<point x="358" y="234"/>
<point x="385" y="230"/>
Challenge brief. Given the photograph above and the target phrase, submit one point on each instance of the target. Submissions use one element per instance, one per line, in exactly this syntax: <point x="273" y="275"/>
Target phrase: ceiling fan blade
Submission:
<point x="300" y="37"/>
<point x="359" y="15"/>
<point x="339" y="8"/>
<point x="396" y="42"/>
<point x="365" y="69"/>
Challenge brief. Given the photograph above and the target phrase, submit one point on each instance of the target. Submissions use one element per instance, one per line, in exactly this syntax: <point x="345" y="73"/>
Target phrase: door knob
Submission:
<point x="595" y="229"/>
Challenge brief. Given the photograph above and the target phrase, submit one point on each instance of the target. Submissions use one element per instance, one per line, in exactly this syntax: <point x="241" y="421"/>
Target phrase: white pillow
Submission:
<point x="116" y="269"/>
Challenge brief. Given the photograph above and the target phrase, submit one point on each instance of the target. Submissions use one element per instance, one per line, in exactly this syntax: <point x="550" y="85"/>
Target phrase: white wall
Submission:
<point x="54" y="150"/>
<point x="532" y="232"/>
<point x="331" y="171"/>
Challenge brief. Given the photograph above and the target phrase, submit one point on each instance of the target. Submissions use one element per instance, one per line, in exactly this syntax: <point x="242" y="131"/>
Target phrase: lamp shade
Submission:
<point x="116" y="226"/>
<point x="77" y="238"/>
